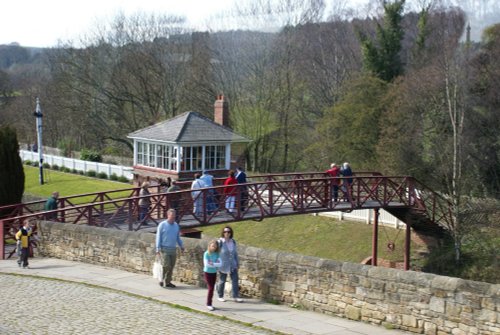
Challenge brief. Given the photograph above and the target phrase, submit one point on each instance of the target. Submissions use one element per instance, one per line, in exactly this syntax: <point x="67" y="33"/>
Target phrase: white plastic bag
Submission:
<point x="18" y="248"/>
<point x="158" y="270"/>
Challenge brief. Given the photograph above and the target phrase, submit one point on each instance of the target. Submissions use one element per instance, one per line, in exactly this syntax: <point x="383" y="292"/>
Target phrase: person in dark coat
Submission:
<point x="23" y="238"/>
<point x="347" y="187"/>
<point x="241" y="178"/>
<point x="50" y="205"/>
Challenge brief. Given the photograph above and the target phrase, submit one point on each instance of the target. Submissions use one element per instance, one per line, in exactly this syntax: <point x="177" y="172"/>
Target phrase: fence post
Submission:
<point x="2" y="241"/>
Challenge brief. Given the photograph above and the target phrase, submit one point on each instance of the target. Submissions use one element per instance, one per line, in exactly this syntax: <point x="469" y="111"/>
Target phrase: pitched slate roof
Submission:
<point x="189" y="127"/>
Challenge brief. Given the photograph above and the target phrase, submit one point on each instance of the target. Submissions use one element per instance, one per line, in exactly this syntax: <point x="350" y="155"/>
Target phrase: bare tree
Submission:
<point x="129" y="74"/>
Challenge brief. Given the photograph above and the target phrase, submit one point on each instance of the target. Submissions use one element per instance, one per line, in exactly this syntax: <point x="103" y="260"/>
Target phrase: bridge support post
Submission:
<point x="2" y="240"/>
<point x="375" y="237"/>
<point x="407" y="245"/>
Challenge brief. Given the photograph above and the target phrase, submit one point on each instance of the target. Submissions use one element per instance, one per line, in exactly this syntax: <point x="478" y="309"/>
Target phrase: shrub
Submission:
<point x="55" y="167"/>
<point x="11" y="168"/>
<point x="46" y="165"/>
<point x="102" y="175"/>
<point x="75" y="171"/>
<point x="123" y="179"/>
<point x="81" y="172"/>
<point x="90" y="155"/>
<point x="91" y="173"/>
<point x="35" y="164"/>
<point x="28" y="162"/>
<point x="66" y="146"/>
<point x="65" y="169"/>
<point x="113" y="176"/>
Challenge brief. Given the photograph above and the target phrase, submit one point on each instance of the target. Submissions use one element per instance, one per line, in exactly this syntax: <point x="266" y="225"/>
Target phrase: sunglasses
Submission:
<point x="227" y="231"/>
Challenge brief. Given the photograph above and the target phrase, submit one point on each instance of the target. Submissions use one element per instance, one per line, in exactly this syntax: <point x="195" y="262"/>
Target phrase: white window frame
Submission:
<point x="170" y="157"/>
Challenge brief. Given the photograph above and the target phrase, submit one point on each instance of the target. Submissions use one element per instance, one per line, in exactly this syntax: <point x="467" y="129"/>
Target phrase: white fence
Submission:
<point x="368" y="216"/>
<point x="78" y="164"/>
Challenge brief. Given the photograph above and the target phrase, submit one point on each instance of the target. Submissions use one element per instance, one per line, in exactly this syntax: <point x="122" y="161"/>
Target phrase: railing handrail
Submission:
<point x="184" y="182"/>
<point x="187" y="191"/>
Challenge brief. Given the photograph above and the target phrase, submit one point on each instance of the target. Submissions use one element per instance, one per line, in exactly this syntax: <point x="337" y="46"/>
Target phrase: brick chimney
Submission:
<point x="221" y="111"/>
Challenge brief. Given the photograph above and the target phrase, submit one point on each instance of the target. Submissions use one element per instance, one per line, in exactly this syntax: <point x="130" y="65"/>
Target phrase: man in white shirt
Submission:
<point x="208" y="181"/>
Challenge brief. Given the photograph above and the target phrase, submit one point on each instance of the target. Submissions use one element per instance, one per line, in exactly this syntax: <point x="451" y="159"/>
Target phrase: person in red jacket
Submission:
<point x="230" y="191"/>
<point x="334" y="172"/>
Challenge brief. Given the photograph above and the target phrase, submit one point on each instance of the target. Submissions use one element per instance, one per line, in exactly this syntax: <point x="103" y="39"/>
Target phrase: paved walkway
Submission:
<point x="67" y="307"/>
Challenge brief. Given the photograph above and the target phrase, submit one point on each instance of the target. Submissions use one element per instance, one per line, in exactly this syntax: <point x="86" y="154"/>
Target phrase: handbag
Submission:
<point x="158" y="270"/>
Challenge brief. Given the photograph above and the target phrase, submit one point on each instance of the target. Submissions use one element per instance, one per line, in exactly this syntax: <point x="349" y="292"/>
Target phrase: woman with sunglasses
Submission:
<point x="230" y="264"/>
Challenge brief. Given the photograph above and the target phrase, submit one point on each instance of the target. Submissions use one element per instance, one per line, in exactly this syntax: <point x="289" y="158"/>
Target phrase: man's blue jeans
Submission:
<point x="234" y="282"/>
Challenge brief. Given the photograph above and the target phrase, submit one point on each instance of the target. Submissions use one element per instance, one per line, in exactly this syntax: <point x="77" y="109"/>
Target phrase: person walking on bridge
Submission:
<point x="241" y="178"/>
<point x="334" y="172"/>
<point x="174" y="200"/>
<point x="144" y="203"/>
<point x="230" y="191"/>
<point x="197" y="195"/>
<point x="347" y="187"/>
<point x="167" y="238"/>
<point x="208" y="181"/>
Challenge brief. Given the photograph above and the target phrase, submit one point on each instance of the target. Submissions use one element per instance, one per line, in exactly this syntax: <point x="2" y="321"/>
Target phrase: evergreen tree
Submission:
<point x="382" y="56"/>
<point x="11" y="168"/>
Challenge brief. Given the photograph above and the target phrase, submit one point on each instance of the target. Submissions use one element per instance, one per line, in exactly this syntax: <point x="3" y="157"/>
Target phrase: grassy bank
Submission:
<point x="67" y="184"/>
<point x="316" y="236"/>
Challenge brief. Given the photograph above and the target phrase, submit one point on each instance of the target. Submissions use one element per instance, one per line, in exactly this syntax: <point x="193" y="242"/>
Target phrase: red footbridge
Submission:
<point x="422" y="210"/>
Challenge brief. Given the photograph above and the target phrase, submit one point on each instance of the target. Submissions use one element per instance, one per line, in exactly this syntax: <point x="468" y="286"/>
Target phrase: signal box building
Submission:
<point x="186" y="144"/>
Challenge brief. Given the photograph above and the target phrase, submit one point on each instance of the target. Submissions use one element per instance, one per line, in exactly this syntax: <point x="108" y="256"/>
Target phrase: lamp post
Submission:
<point x="38" y="115"/>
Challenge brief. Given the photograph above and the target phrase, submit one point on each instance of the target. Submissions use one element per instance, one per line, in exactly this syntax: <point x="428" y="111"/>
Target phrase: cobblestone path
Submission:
<point x="33" y="305"/>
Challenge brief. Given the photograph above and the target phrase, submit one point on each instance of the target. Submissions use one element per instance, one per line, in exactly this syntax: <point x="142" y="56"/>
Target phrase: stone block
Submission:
<point x="355" y="268"/>
<point x="488" y="316"/>
<point x="430" y="328"/>
<point x="475" y="287"/>
<point x="445" y="283"/>
<point x="288" y="286"/>
<point x="489" y="303"/>
<point x="381" y="273"/>
<point x="437" y="305"/>
<point x="409" y="321"/>
<point x="353" y="313"/>
<point x="458" y="331"/>
<point x="453" y="311"/>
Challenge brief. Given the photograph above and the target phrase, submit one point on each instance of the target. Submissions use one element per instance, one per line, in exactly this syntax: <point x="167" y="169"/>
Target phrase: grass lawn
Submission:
<point x="317" y="236"/>
<point x="67" y="184"/>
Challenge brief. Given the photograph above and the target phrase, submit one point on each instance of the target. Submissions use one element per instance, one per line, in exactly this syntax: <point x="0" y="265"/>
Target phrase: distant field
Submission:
<point x="67" y="184"/>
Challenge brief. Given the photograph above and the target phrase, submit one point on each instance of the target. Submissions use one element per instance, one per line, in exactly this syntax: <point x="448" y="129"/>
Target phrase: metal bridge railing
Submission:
<point x="293" y="194"/>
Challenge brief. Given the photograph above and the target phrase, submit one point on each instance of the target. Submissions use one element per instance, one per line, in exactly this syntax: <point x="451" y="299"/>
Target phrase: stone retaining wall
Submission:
<point x="413" y="301"/>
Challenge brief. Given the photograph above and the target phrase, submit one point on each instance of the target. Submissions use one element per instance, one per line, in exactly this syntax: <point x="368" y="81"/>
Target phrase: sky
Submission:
<point x="41" y="23"/>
